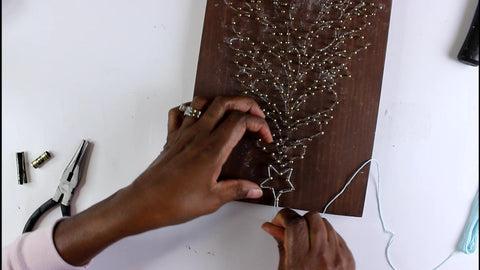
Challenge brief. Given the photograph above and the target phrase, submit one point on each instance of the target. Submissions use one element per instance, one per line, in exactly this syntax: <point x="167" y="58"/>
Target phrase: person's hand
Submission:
<point x="308" y="242"/>
<point x="181" y="183"/>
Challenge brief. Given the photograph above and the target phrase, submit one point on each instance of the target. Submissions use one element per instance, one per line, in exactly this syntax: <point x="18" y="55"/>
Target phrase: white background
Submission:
<point x="108" y="71"/>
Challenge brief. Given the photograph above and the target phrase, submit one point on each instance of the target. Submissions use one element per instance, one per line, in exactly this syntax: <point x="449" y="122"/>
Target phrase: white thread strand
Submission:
<point x="346" y="185"/>
<point x="380" y="214"/>
<point x="385" y="230"/>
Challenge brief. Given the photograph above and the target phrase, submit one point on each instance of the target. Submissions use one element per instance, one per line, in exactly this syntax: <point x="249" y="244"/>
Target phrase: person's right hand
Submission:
<point x="308" y="242"/>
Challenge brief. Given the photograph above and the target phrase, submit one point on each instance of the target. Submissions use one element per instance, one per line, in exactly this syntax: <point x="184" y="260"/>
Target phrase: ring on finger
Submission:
<point x="182" y="108"/>
<point x="190" y="111"/>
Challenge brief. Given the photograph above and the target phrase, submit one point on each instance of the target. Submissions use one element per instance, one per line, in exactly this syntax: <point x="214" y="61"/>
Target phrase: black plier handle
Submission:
<point x="42" y="210"/>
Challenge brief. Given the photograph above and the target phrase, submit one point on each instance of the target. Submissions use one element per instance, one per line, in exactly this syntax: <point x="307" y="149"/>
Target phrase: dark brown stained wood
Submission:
<point x="330" y="159"/>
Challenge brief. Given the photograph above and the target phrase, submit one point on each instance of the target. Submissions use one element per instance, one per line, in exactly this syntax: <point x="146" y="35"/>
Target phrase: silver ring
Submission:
<point x="182" y="108"/>
<point x="190" y="111"/>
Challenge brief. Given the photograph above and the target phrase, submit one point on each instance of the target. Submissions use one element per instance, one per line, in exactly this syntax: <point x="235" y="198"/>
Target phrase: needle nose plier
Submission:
<point x="63" y="195"/>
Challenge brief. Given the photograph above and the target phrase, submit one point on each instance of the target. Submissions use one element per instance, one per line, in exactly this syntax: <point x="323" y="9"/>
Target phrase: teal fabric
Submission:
<point x="468" y="242"/>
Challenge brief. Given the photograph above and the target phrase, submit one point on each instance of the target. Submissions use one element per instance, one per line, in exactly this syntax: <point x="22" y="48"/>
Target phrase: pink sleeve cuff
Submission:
<point x="35" y="250"/>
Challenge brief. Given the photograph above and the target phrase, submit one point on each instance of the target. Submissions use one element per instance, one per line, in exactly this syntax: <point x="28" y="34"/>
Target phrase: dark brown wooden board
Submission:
<point x="330" y="159"/>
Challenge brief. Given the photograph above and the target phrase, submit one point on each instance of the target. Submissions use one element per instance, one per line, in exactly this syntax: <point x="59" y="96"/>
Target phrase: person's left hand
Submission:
<point x="181" y="183"/>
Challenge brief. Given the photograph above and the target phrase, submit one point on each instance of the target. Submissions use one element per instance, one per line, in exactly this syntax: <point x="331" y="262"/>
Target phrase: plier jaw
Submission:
<point x="71" y="176"/>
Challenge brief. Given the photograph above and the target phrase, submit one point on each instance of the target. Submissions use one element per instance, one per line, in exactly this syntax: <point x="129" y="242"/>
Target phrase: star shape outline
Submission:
<point x="288" y="171"/>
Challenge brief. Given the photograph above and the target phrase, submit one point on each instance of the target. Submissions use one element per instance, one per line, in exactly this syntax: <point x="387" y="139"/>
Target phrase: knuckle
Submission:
<point x="312" y="215"/>
<point x="168" y="143"/>
<point x="172" y="111"/>
<point x="239" y="191"/>
<point x="195" y="99"/>
<point x="251" y="102"/>
<point x="284" y="213"/>
<point x="345" y="261"/>
<point x="220" y="103"/>
<point x="295" y="222"/>
<point x="238" y="117"/>
<point x="327" y="224"/>
<point x="349" y="264"/>
<point x="202" y="99"/>
<point x="323" y="257"/>
<point x="248" y="100"/>
<point x="198" y="101"/>
<point x="221" y="100"/>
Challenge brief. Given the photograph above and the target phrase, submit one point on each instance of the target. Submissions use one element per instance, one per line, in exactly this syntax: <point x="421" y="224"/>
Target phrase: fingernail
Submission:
<point x="254" y="193"/>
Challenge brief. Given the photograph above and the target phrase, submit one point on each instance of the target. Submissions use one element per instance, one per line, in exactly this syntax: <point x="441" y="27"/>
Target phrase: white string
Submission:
<point x="385" y="230"/>
<point x="347" y="184"/>
<point x="380" y="214"/>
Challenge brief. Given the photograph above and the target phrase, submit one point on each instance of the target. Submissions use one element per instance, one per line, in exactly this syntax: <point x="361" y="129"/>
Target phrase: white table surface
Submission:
<point x="108" y="71"/>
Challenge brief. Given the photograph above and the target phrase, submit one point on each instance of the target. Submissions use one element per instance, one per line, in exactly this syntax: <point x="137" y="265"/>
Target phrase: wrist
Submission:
<point x="79" y="238"/>
<point x="140" y="208"/>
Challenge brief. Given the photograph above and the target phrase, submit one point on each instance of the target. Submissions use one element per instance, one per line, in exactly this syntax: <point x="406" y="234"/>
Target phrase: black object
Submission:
<point x="469" y="52"/>
<point x="43" y="209"/>
<point x="21" y="170"/>
<point x="64" y="192"/>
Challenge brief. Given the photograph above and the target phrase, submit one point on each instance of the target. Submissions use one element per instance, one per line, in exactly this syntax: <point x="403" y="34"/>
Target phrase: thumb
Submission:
<point x="274" y="230"/>
<point x="278" y="233"/>
<point x="229" y="190"/>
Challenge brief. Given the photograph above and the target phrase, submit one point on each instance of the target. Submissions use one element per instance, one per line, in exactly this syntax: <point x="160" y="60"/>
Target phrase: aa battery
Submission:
<point x="41" y="159"/>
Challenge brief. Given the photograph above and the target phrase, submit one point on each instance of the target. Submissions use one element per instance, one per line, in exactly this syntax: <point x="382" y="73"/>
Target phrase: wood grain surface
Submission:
<point x="330" y="159"/>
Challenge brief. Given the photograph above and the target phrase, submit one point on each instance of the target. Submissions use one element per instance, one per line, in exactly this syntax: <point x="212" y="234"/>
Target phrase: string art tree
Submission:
<point x="289" y="57"/>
